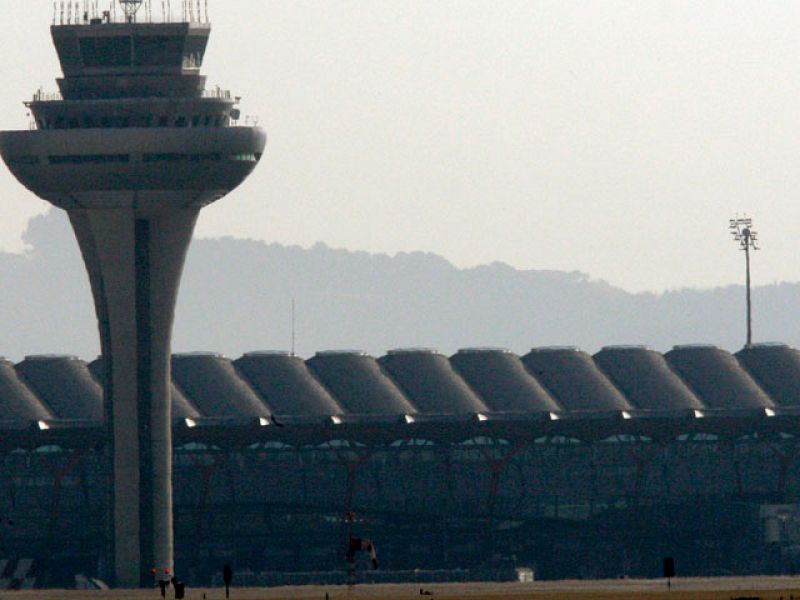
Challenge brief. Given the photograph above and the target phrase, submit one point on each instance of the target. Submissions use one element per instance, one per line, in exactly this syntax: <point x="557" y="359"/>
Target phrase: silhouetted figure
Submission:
<point x="163" y="583"/>
<point x="180" y="588"/>
<point x="227" y="577"/>
<point x="669" y="571"/>
<point x="361" y="545"/>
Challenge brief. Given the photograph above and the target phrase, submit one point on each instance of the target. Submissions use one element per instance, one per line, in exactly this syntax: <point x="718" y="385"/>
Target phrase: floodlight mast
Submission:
<point x="743" y="233"/>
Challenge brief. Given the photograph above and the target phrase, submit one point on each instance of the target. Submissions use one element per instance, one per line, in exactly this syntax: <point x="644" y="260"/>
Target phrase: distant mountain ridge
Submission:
<point x="236" y="297"/>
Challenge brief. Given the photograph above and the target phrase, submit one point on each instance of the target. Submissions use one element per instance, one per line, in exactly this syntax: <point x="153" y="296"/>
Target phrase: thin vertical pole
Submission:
<point x="293" y="327"/>
<point x="749" y="306"/>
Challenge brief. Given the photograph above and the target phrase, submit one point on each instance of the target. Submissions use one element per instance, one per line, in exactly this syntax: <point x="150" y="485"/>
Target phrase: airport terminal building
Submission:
<point x="468" y="466"/>
<point x="463" y="467"/>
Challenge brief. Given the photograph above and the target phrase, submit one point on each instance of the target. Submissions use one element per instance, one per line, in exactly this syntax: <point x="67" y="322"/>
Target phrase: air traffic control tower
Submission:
<point x="132" y="148"/>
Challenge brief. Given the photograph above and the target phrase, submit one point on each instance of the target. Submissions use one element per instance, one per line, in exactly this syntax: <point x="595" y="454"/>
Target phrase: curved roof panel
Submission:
<point x="646" y="379"/>
<point x="211" y="383"/>
<point x="181" y="407"/>
<point x="574" y="380"/>
<point x="17" y="401"/>
<point x="287" y="384"/>
<point x="359" y="384"/>
<point x="65" y="384"/>
<point x="429" y="380"/>
<point x="717" y="378"/>
<point x="776" y="368"/>
<point x="502" y="381"/>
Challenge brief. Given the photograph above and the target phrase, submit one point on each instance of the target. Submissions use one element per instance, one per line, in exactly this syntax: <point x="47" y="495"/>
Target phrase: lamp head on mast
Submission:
<point x="742" y="230"/>
<point x="130" y="8"/>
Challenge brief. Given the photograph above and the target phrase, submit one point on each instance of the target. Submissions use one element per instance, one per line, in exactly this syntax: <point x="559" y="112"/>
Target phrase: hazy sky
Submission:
<point x="615" y="138"/>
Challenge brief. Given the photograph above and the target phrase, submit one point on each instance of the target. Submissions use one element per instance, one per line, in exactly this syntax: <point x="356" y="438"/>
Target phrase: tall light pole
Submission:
<point x="744" y="234"/>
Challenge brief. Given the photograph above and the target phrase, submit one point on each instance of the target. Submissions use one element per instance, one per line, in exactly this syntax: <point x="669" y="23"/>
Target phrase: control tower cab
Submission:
<point x="133" y="124"/>
<point x="132" y="147"/>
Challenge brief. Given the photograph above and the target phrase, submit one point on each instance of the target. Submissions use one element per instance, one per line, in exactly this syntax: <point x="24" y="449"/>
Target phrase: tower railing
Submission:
<point x="217" y="93"/>
<point x="95" y="12"/>
<point x="42" y="96"/>
<point x="214" y="93"/>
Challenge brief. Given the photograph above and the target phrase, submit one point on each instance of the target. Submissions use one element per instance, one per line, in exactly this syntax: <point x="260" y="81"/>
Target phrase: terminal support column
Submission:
<point x="135" y="263"/>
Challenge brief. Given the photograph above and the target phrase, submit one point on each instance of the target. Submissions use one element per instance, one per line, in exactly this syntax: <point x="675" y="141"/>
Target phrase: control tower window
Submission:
<point x="193" y="52"/>
<point x="69" y="53"/>
<point x="106" y="52"/>
<point x="157" y="51"/>
<point x="23" y="160"/>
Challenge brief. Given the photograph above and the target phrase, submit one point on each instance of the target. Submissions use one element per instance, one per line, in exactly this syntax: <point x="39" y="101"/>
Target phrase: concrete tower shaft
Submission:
<point x="134" y="265"/>
<point x="132" y="148"/>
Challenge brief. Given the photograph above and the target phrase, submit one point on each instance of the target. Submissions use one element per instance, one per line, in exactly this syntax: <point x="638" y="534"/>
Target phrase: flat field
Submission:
<point x="722" y="588"/>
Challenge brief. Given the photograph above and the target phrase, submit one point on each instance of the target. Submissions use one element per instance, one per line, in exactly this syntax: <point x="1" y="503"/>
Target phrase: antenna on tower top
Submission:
<point x="130" y="8"/>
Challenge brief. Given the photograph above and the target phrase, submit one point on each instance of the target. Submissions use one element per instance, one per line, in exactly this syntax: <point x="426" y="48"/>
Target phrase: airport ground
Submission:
<point x="722" y="588"/>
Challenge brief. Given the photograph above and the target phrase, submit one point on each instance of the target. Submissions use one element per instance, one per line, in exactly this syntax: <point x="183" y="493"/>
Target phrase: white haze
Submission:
<point x="612" y="137"/>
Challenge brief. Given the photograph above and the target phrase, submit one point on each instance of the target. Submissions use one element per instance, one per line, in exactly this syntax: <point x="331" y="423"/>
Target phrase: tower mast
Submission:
<point x="746" y="237"/>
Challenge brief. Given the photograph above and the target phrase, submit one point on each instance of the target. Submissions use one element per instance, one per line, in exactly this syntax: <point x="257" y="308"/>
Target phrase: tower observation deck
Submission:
<point x="132" y="147"/>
